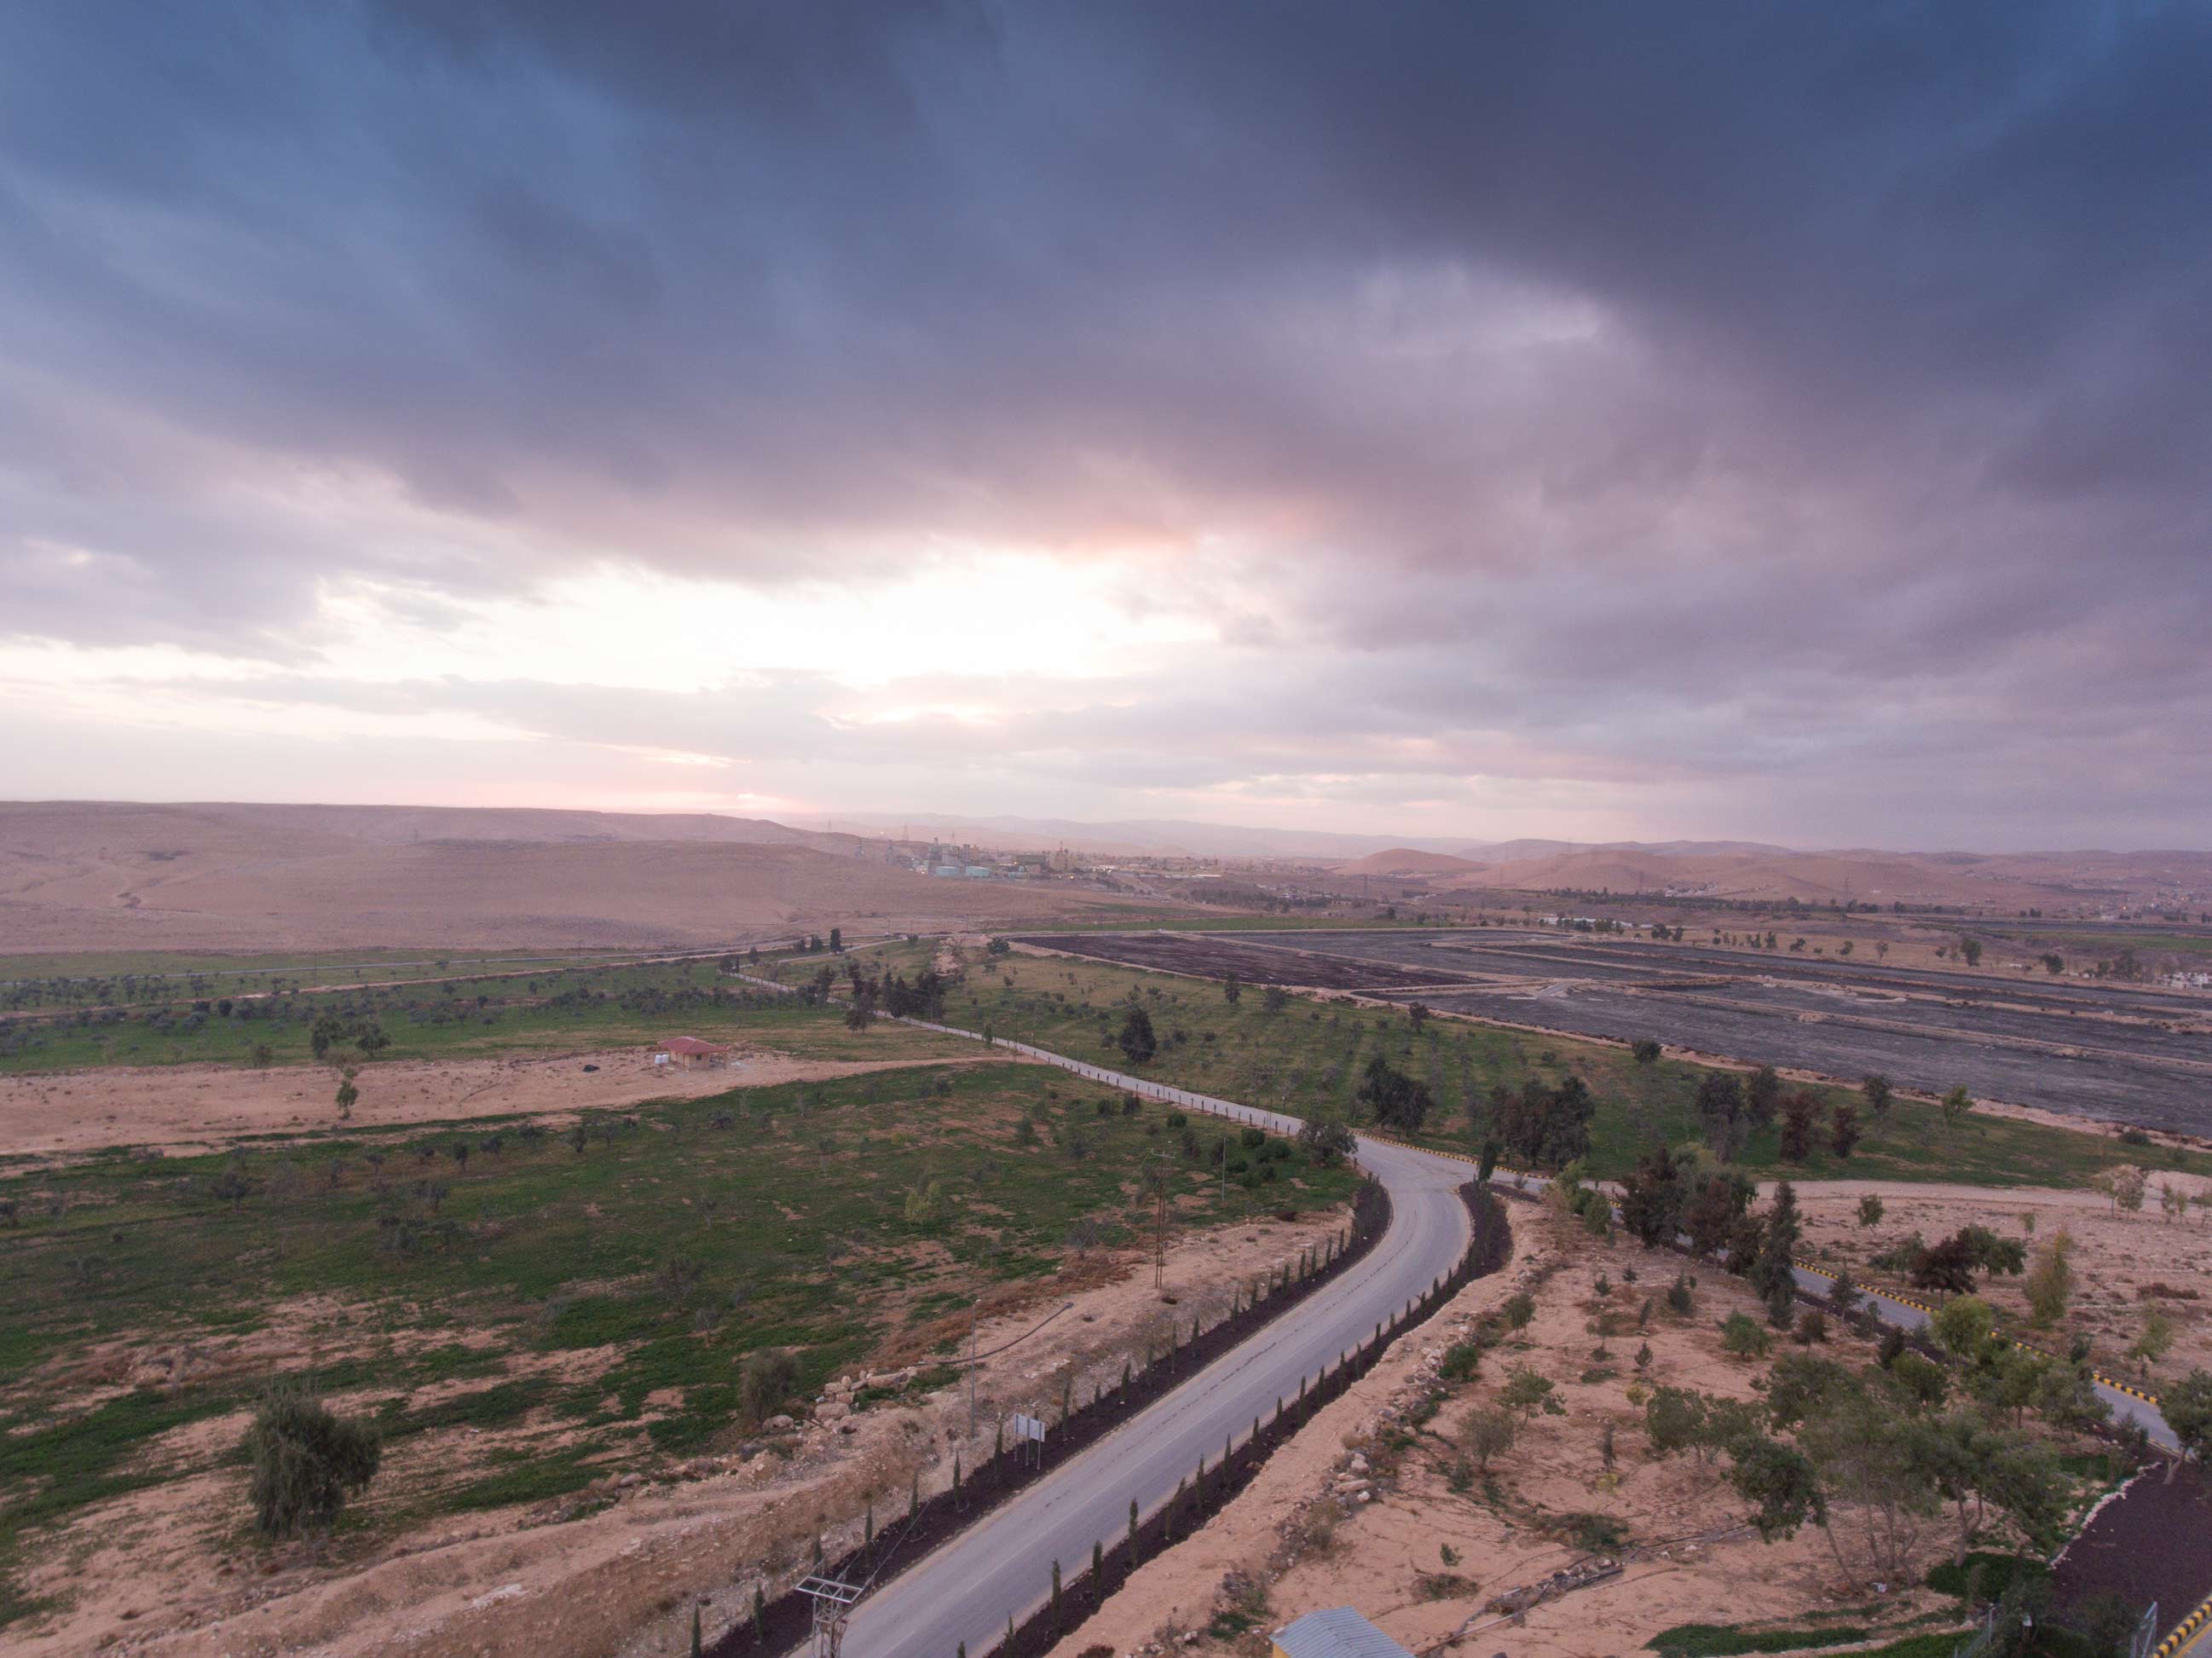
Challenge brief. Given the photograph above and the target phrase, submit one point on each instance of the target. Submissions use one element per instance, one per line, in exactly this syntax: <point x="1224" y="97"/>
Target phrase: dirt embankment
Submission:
<point x="194" y="1106"/>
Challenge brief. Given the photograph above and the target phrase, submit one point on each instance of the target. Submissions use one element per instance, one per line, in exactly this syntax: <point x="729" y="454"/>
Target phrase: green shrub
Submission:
<point x="1742" y="1335"/>
<point x="1461" y="1360"/>
<point x="1998" y="1572"/>
<point x="306" y="1461"/>
<point x="769" y="1377"/>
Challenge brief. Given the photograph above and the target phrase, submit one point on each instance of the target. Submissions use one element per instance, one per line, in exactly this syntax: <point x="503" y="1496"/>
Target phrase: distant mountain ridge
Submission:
<point x="1718" y="869"/>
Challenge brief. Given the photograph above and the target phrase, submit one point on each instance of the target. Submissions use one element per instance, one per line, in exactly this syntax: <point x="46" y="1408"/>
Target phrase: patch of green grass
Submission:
<point x="1721" y="1640"/>
<point x="526" y="1482"/>
<point x="451" y="1015"/>
<point x="1943" y="1645"/>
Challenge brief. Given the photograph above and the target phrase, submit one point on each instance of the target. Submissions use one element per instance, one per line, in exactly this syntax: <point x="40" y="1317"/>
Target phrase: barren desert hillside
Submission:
<point x="1405" y="861"/>
<point x="2005" y="880"/>
<point x="119" y="877"/>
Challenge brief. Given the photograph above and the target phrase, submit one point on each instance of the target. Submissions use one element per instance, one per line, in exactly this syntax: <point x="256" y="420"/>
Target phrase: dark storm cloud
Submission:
<point x="1607" y="391"/>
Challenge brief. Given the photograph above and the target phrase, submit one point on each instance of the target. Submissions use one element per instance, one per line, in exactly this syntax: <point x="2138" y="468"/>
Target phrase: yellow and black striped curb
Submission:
<point x="2113" y="1382"/>
<point x="2185" y="1633"/>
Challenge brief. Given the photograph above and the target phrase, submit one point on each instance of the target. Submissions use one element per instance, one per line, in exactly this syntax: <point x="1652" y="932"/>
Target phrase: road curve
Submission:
<point x="1002" y="1565"/>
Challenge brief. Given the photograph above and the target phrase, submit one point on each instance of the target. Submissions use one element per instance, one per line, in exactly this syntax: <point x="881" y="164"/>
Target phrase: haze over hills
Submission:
<point x="1165" y="837"/>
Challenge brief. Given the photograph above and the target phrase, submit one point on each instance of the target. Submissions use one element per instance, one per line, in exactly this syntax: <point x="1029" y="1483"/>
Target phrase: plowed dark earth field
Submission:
<point x="2111" y="1052"/>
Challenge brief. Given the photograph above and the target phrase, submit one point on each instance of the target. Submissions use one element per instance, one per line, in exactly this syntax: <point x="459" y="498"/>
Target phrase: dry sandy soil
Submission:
<point x="2115" y="1256"/>
<point x="1305" y="1535"/>
<point x="2003" y="881"/>
<point x="614" y="1568"/>
<point x="197" y="1107"/>
<point x="244" y="878"/>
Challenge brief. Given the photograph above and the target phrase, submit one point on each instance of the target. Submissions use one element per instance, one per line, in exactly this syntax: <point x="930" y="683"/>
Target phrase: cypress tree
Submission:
<point x="914" y="1498"/>
<point x="868" y="1527"/>
<point x="760" y="1616"/>
<point x="1097" y="1572"/>
<point x="696" y="1648"/>
<point x="1132" y="1533"/>
<point x="956" y="1473"/>
<point x="1056" y="1622"/>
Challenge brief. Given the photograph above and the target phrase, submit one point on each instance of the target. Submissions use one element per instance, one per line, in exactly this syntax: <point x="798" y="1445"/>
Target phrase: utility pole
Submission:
<point x="974" y="1307"/>
<point x="1160" y="1225"/>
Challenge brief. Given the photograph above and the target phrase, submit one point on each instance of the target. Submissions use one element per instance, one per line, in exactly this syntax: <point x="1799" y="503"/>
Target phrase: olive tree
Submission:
<point x="306" y="1461"/>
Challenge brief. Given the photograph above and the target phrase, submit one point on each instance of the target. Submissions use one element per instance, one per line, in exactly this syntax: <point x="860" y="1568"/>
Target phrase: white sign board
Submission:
<point x="1028" y="1427"/>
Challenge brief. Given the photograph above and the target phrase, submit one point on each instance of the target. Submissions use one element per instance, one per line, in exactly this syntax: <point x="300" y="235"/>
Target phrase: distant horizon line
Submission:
<point x="1384" y="842"/>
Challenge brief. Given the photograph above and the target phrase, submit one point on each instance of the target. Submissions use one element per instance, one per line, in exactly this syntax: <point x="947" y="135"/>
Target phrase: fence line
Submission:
<point x="1281" y="1122"/>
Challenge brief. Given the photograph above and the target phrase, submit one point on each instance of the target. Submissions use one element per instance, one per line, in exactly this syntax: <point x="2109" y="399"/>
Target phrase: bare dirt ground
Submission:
<point x="616" y="1568"/>
<point x="196" y="1106"/>
<point x="2122" y="1262"/>
<point x="1318" y="1528"/>
<point x="107" y="877"/>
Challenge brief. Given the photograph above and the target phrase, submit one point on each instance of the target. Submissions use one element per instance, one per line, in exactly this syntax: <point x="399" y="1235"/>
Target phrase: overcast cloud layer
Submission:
<point x="1787" y="422"/>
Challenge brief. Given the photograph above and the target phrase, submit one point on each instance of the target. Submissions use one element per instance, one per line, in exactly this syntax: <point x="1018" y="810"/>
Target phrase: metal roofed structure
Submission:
<point x="1339" y="1632"/>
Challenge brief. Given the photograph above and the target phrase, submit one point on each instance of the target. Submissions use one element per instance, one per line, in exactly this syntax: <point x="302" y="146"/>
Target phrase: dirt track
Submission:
<point x="193" y="1107"/>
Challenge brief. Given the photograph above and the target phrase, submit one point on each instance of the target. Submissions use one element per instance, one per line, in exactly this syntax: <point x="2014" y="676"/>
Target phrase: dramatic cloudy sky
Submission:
<point x="1754" y="420"/>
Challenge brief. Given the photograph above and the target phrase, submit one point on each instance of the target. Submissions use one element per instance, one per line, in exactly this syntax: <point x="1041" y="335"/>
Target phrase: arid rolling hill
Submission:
<point x="2058" y="880"/>
<point x="123" y="877"/>
<point x="1404" y="860"/>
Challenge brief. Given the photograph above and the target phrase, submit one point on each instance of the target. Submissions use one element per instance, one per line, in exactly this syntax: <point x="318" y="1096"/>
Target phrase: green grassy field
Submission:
<point x="457" y="1017"/>
<point x="843" y="1221"/>
<point x="1309" y="1056"/>
<point x="67" y="979"/>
